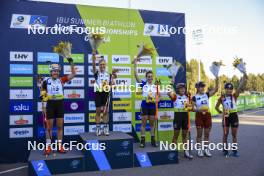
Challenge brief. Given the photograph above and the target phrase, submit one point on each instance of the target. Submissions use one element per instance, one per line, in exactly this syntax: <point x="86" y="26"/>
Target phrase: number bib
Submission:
<point x="180" y="101"/>
<point x="229" y="103"/>
<point x="202" y="100"/>
<point x="54" y="88"/>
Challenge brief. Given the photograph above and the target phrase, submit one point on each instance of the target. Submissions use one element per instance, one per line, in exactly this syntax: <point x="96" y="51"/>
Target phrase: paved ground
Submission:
<point x="250" y="163"/>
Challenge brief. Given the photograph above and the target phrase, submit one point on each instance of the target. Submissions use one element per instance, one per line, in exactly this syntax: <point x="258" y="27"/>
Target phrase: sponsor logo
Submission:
<point x="45" y="56"/>
<point x="123" y="81"/>
<point x="20" y="21"/>
<point x="143" y="70"/>
<point x="21" y="56"/>
<point x="163" y="72"/>
<point x="98" y="57"/>
<point x="21" y="107"/>
<point x="38" y="21"/>
<point x="79" y="69"/>
<point x="92" y="106"/>
<point x="165" y="126"/>
<point x="73" y="130"/>
<point x="126" y="128"/>
<point x="138" y="127"/>
<point x="75" y="82"/>
<point x="20" y="94"/>
<point x="172" y="156"/>
<point x="20" y="132"/>
<point x="75" y="164"/>
<point x="123" y="70"/>
<point x="41" y="132"/>
<point x="165" y="115"/>
<point x="157" y="30"/>
<point x="43" y="69"/>
<point x="165" y="104"/>
<point x="73" y="93"/>
<point x="121" y="94"/>
<point x="145" y="60"/>
<point x="137" y="116"/>
<point x="21" y="82"/>
<point x="92" y="128"/>
<point x="121" y="105"/>
<point x="74" y="118"/>
<point x="77" y="58"/>
<point x="122" y="116"/>
<point x="21" y="69"/>
<point x="91" y="117"/>
<point x="91" y="82"/>
<point x="162" y="60"/>
<point x="90" y="70"/>
<point x="20" y="119"/>
<point x="125" y="144"/>
<point x="121" y="59"/>
<point x="74" y="106"/>
<point x="138" y="104"/>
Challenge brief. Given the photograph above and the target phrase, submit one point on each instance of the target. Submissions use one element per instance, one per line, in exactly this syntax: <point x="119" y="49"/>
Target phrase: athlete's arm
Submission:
<point x="94" y="59"/>
<point x="215" y="89"/>
<point x="135" y="71"/>
<point x="217" y="106"/>
<point x="241" y="85"/>
<point x="73" y="72"/>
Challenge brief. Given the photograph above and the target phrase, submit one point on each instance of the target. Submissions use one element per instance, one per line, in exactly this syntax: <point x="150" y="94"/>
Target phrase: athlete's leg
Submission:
<point x="234" y="134"/>
<point x="206" y="135"/>
<point x="175" y="136"/>
<point x="152" y="122"/>
<point x="144" y="119"/>
<point x="48" y="131"/>
<point x="105" y="120"/>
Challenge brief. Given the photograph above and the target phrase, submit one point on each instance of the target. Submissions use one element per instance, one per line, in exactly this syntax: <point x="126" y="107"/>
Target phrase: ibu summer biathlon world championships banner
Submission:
<point x="24" y="54"/>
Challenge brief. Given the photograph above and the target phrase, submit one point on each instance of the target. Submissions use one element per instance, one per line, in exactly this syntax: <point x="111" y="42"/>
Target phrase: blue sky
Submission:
<point x="245" y="16"/>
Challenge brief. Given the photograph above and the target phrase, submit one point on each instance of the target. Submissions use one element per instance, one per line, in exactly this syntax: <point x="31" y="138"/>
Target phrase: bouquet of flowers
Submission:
<point x="63" y="49"/>
<point x="204" y="109"/>
<point x="239" y="64"/>
<point x="144" y="50"/>
<point x="215" y="67"/>
<point x="174" y="68"/>
<point x="226" y="112"/>
<point x="188" y="106"/>
<point x="95" y="40"/>
<point x="150" y="98"/>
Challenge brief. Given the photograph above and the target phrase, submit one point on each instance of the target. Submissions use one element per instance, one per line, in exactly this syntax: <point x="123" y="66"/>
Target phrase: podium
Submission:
<point x="118" y="151"/>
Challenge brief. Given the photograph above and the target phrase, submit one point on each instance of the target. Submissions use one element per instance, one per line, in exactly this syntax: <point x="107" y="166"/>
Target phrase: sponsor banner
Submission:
<point x="21" y="81"/>
<point x="43" y="69"/>
<point x="126" y="128"/>
<point x="17" y="107"/>
<point x="156" y="30"/>
<point x="163" y="72"/>
<point x="21" y="132"/>
<point x="21" y="120"/>
<point x="90" y="70"/>
<point x="117" y="94"/>
<point x="20" y="94"/>
<point x="75" y="82"/>
<point x="165" y="126"/>
<point x="145" y="60"/>
<point x="122" y="116"/>
<point x="138" y="104"/>
<point x="138" y="127"/>
<point x="165" y="104"/>
<point x="165" y="115"/>
<point x="40" y="106"/>
<point x="20" y="56"/>
<point x="121" y="105"/>
<point x="41" y="132"/>
<point x="137" y="115"/>
<point x="92" y="106"/>
<point x="162" y="60"/>
<point x="38" y="21"/>
<point x="142" y="70"/>
<point x="123" y="81"/>
<point x="98" y="57"/>
<point x="121" y="59"/>
<point x="73" y="130"/>
<point x="79" y="69"/>
<point x="74" y="106"/>
<point x="91" y="82"/>
<point x="45" y="57"/>
<point x="21" y="69"/>
<point x="73" y="93"/>
<point x="91" y="117"/>
<point x="74" y="118"/>
<point x="20" y="21"/>
<point x="92" y="128"/>
<point x="122" y="70"/>
<point x="77" y="58"/>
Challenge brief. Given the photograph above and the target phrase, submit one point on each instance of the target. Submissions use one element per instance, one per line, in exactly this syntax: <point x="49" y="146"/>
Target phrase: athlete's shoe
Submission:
<point x="142" y="142"/>
<point x="47" y="151"/>
<point x="61" y="150"/>
<point x="225" y="153"/>
<point x="207" y="152"/>
<point x="235" y="153"/>
<point x="153" y="141"/>
<point x="98" y="131"/>
<point x="200" y="153"/>
<point x="106" y="130"/>
<point x="187" y="154"/>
